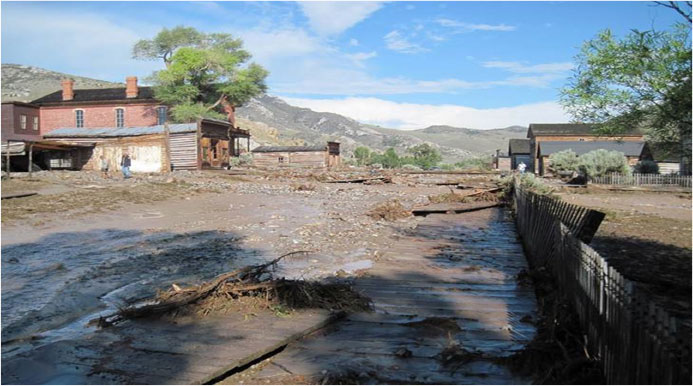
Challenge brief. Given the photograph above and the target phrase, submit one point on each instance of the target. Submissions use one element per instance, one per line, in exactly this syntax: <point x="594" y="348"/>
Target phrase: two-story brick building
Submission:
<point x="102" y="117"/>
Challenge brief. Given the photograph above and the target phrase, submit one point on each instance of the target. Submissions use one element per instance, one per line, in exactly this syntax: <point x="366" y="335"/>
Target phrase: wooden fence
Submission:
<point x="637" y="179"/>
<point x="636" y="341"/>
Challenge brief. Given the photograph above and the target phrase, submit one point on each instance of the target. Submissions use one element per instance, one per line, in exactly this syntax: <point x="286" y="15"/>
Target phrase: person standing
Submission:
<point x="104" y="166"/>
<point x="521" y="167"/>
<point x="125" y="165"/>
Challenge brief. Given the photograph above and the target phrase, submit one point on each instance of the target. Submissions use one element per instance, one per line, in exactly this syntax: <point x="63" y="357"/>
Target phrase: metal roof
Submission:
<point x="569" y="129"/>
<point x="518" y="146"/>
<point x="273" y="149"/>
<point x="119" y="131"/>
<point x="630" y="149"/>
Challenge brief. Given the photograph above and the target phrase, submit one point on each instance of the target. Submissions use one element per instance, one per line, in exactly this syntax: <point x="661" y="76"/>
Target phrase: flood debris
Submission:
<point x="454" y="356"/>
<point x="247" y="287"/>
<point x="389" y="211"/>
<point x="362" y="180"/>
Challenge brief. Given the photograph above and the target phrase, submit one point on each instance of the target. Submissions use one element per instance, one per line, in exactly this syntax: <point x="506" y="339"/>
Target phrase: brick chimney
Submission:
<point x="68" y="91"/>
<point x="131" y="87"/>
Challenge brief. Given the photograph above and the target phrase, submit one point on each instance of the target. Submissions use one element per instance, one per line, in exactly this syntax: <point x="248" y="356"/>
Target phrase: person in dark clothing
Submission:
<point x="125" y="165"/>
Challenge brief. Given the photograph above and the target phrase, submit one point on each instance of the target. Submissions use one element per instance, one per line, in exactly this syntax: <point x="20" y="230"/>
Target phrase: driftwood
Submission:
<point x="18" y="195"/>
<point x="447" y="208"/>
<point x="178" y="297"/>
<point x="360" y="180"/>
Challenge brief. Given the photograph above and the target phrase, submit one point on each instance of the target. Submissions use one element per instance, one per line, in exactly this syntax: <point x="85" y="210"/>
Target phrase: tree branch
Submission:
<point x="675" y="6"/>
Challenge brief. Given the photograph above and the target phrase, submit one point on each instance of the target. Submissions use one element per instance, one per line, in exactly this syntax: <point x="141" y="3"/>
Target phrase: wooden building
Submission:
<point x="297" y="156"/>
<point x="562" y="132"/>
<point x="207" y="143"/>
<point x="518" y="151"/>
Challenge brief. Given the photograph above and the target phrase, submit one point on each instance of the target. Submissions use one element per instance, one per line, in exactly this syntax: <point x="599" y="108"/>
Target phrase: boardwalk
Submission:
<point x="451" y="282"/>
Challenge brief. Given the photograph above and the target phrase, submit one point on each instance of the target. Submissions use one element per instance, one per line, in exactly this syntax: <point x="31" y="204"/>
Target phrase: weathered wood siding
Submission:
<point x="183" y="151"/>
<point x="316" y="159"/>
<point x="636" y="341"/>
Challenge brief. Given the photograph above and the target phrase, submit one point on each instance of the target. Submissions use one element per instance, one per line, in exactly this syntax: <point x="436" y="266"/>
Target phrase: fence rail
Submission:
<point x="637" y="341"/>
<point x="637" y="179"/>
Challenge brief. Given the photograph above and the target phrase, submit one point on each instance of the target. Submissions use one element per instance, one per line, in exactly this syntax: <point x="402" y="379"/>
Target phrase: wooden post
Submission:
<point x="7" y="151"/>
<point x="167" y="150"/>
<point x="31" y="156"/>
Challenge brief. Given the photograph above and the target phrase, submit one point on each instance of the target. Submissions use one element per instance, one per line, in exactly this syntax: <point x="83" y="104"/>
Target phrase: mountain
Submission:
<point x="26" y="83"/>
<point x="272" y="121"/>
<point x="318" y="127"/>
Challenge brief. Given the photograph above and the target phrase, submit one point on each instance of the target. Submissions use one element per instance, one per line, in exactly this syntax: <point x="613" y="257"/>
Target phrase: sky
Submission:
<point x="404" y="65"/>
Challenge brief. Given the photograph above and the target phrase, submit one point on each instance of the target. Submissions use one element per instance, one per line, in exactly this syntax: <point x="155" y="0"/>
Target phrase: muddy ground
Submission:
<point x="86" y="245"/>
<point x="646" y="235"/>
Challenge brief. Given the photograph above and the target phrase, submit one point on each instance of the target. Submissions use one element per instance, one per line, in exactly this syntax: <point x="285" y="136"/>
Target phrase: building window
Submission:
<point x="161" y="115"/>
<point x="79" y="118"/>
<point x="35" y="124"/>
<point x="281" y="160"/>
<point x="22" y="122"/>
<point x="120" y="117"/>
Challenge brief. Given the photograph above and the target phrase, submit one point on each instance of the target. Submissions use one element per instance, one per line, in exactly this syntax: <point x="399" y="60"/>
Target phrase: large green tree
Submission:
<point x="204" y="74"/>
<point x="641" y="80"/>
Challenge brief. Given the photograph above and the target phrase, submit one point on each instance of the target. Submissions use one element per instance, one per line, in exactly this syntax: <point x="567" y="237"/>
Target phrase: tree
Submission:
<point x="642" y="80"/>
<point x="389" y="159"/>
<point x="565" y="160"/>
<point x="425" y="156"/>
<point x="362" y="155"/>
<point x="601" y="162"/>
<point x="204" y="72"/>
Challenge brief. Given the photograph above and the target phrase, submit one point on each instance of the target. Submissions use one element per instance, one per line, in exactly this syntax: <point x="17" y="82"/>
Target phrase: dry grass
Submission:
<point x="389" y="211"/>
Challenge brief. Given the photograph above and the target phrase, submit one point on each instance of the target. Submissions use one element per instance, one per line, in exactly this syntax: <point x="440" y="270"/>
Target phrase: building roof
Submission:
<point x="536" y="129"/>
<point x="518" y="146"/>
<point x="630" y="149"/>
<point x="19" y="103"/>
<point x="107" y="132"/>
<point x="294" y="149"/>
<point x="96" y="95"/>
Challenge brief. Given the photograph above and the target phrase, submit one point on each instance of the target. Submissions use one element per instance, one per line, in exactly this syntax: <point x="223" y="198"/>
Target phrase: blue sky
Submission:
<point x="398" y="64"/>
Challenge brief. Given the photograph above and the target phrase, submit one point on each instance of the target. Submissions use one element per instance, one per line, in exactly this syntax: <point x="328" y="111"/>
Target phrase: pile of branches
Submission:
<point x="252" y="282"/>
<point x="389" y="211"/>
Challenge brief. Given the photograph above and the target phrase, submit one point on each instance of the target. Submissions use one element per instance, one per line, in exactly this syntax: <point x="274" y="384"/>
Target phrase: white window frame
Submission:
<point x="79" y="121"/>
<point x="35" y="123"/>
<point x="158" y="114"/>
<point x="22" y="121"/>
<point x="116" y="116"/>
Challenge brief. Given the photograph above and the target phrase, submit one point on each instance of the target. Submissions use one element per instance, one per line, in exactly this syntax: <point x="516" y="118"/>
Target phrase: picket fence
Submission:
<point x="638" y="179"/>
<point x="636" y="340"/>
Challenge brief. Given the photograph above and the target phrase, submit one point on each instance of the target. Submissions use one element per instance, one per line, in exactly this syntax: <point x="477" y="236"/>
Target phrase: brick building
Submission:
<point x="132" y="106"/>
<point x="75" y="126"/>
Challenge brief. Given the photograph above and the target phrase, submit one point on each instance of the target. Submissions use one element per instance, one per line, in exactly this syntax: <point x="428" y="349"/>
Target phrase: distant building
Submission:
<point x="539" y="133"/>
<point x="518" y="151"/>
<point x="20" y="122"/>
<point x="297" y="156"/>
<point x="634" y="151"/>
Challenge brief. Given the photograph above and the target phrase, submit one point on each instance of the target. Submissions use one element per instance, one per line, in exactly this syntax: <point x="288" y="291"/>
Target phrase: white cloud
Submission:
<point x="74" y="41"/>
<point x="359" y="57"/>
<point x="353" y="42"/>
<point x="462" y="26"/>
<point x="518" y="67"/>
<point x="266" y="44"/>
<point x="409" y="116"/>
<point x="332" y="18"/>
<point x="395" y="41"/>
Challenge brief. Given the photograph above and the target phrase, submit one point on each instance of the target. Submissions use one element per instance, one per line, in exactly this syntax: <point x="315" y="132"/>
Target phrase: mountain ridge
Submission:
<point x="272" y="121"/>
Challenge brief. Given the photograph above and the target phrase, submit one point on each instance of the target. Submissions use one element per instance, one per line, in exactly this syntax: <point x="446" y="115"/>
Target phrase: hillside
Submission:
<point x="26" y="83"/>
<point x="272" y="121"/>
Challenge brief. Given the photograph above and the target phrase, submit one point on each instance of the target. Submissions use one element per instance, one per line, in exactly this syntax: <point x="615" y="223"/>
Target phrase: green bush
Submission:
<point x="601" y="162"/>
<point x="647" y="167"/>
<point x="563" y="161"/>
<point x="362" y="155"/>
<point x="536" y="184"/>
<point x="246" y="159"/>
<point x="476" y="163"/>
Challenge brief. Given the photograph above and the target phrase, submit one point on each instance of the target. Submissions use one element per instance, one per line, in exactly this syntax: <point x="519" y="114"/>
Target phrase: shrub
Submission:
<point x="563" y="161"/>
<point x="647" y="167"/>
<point x="246" y="159"/>
<point x="601" y="162"/>
<point x="531" y="182"/>
<point x="477" y="163"/>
